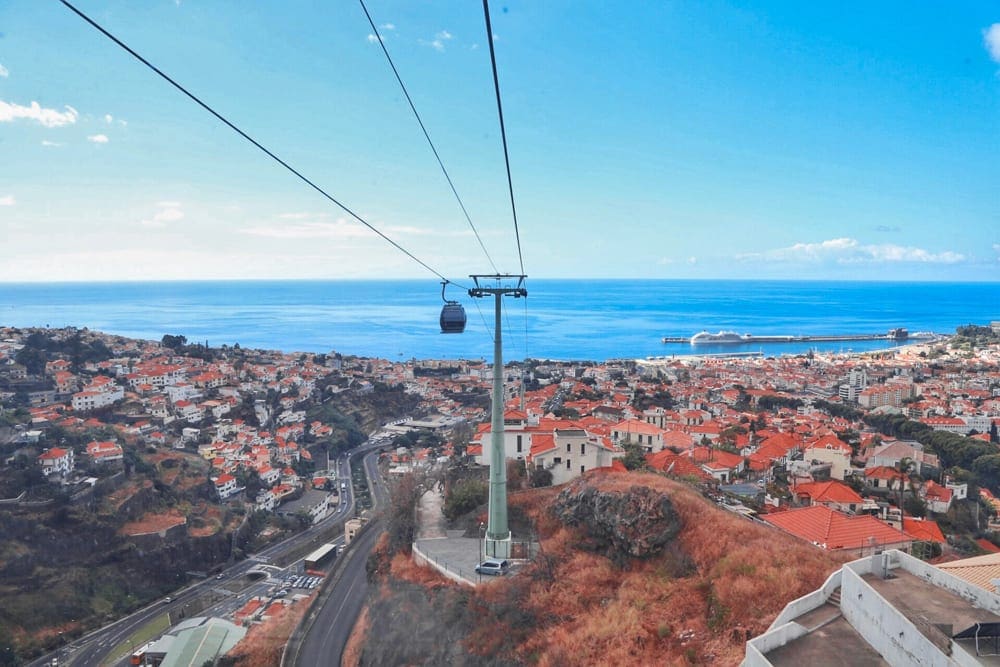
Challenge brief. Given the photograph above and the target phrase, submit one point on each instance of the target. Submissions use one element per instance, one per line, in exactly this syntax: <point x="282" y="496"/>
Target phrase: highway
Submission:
<point x="329" y="625"/>
<point x="95" y="647"/>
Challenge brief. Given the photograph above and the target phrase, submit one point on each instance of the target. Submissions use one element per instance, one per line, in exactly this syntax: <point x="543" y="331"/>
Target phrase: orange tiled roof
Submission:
<point x="829" y="492"/>
<point x="834" y="530"/>
<point x="923" y="531"/>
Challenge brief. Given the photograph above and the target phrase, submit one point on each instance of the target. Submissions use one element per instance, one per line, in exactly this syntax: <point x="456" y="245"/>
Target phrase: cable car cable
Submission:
<point x="253" y="141"/>
<point x="427" y="135"/>
<point x="503" y="131"/>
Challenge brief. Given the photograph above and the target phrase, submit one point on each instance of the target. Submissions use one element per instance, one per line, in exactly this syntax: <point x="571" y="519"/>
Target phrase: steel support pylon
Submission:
<point x="498" y="536"/>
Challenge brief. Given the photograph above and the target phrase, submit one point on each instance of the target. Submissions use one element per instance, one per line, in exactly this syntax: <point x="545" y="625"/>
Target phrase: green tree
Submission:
<point x="540" y="477"/>
<point x="173" y="342"/>
<point x="635" y="457"/>
<point x="32" y="358"/>
<point x="463" y="497"/>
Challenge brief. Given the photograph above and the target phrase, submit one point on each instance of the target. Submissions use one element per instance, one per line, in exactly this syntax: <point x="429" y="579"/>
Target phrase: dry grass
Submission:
<point x="263" y="644"/>
<point x="206" y="519"/>
<point x="726" y="578"/>
<point x="356" y="642"/>
<point x="403" y="567"/>
<point x="153" y="522"/>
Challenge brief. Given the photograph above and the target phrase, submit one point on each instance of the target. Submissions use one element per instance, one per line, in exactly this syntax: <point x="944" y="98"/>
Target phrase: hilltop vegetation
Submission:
<point x="633" y="569"/>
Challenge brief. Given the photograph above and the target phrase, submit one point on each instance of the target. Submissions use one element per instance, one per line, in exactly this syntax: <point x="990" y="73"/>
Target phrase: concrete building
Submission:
<point x="313" y="504"/>
<point x="57" y="461"/>
<point x="647" y="435"/>
<point x="571" y="453"/>
<point x="886" y="609"/>
<point x="830" y="450"/>
<point x="104" y="452"/>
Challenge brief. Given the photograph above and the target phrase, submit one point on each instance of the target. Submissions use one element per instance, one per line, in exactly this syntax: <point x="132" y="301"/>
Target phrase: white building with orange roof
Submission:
<point x="104" y="451"/>
<point x="569" y="453"/>
<point x="225" y="485"/>
<point x="95" y="399"/>
<point x="57" y="461"/>
<point x="830" y="449"/>
<point x="648" y="436"/>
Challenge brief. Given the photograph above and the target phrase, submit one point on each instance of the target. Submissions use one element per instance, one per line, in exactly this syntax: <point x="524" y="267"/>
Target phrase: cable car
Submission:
<point x="452" y="315"/>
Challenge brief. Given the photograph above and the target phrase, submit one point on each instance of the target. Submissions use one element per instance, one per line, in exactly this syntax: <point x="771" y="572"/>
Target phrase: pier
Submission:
<point x="894" y="335"/>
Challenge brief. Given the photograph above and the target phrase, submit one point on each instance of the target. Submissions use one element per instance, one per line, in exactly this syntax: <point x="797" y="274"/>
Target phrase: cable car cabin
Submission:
<point x="452" y="318"/>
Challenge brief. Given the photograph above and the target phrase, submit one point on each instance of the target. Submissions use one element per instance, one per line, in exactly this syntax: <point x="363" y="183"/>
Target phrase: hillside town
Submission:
<point x="850" y="454"/>
<point x="844" y="451"/>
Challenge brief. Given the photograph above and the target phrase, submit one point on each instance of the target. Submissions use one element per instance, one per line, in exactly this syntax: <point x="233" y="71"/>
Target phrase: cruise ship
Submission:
<point x="705" y="337"/>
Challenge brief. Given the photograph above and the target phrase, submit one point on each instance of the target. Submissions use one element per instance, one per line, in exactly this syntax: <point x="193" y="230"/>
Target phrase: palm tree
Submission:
<point x="907" y="469"/>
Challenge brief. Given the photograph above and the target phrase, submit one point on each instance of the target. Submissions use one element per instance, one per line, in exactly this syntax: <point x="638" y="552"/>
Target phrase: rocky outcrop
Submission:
<point x="635" y="523"/>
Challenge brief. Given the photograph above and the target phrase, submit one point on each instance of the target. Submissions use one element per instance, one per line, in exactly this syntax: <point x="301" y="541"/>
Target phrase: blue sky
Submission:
<point x="648" y="139"/>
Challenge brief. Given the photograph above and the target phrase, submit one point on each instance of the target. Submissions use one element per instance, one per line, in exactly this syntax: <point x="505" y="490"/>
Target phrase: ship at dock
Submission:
<point x="898" y="335"/>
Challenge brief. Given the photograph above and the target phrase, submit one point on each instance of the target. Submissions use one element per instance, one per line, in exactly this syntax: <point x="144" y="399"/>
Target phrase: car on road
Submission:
<point x="167" y="599"/>
<point x="495" y="567"/>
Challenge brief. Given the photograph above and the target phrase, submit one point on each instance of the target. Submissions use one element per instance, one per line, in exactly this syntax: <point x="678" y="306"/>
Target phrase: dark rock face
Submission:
<point x="637" y="523"/>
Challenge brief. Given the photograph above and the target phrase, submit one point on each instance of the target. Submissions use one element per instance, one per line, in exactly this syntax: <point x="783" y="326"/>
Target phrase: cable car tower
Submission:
<point x="498" y="539"/>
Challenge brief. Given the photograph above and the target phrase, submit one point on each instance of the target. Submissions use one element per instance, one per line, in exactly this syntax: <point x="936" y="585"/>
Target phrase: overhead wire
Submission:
<point x="506" y="157"/>
<point x="427" y="135"/>
<point x="503" y="131"/>
<point x="253" y="141"/>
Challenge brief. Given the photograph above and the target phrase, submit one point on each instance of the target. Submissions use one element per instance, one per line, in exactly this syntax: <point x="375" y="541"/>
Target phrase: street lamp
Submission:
<point x="482" y="539"/>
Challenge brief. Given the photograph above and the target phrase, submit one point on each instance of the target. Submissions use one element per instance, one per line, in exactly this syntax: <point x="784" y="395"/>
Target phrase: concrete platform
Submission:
<point x="448" y="551"/>
<point x="836" y="644"/>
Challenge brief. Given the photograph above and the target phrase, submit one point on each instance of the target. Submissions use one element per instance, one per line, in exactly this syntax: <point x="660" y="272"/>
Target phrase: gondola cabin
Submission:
<point x="452" y="318"/>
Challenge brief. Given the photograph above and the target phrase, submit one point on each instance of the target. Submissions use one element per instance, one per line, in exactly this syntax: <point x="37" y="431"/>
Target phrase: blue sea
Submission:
<point x="560" y="319"/>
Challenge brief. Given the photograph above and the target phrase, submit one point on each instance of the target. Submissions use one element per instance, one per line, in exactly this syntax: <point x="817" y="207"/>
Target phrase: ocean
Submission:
<point x="560" y="319"/>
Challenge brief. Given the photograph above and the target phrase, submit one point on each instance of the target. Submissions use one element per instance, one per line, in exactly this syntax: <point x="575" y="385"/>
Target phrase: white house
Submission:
<point x="569" y="453"/>
<point x="225" y="485"/>
<point x="57" y="461"/>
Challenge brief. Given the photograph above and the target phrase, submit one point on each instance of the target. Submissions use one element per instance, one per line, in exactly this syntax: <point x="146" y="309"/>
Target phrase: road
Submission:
<point x="94" y="648"/>
<point x="330" y="626"/>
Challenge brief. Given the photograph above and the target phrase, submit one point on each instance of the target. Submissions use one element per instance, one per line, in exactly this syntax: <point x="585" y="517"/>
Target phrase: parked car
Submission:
<point x="493" y="567"/>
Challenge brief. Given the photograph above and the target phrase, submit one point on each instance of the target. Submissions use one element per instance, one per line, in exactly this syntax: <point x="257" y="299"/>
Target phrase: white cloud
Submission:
<point x="108" y="118"/>
<point x="123" y="123"/>
<point x="46" y="142"/>
<point x="4" y="72"/>
<point x="438" y="42"/>
<point x="7" y="200"/>
<point x="300" y="216"/>
<point x="388" y="26"/>
<point x="850" y="251"/>
<point x="996" y="249"/>
<point x="48" y="117"/>
<point x="991" y="40"/>
<point x="692" y="260"/>
<point x="170" y="211"/>
<point x="98" y="138"/>
<point x="372" y="38"/>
